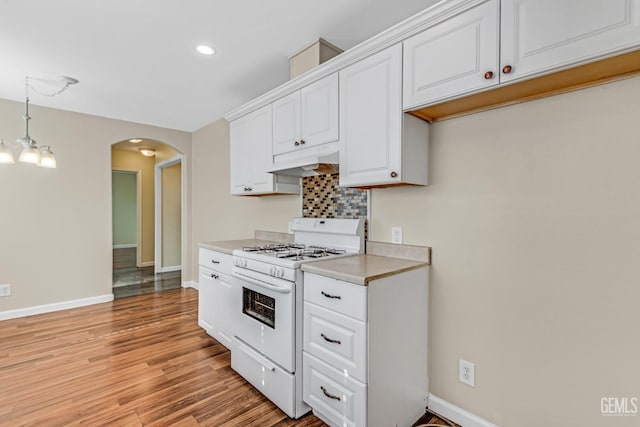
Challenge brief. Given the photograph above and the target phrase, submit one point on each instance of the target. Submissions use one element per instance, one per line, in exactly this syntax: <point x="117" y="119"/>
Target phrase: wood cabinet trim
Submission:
<point x="579" y="77"/>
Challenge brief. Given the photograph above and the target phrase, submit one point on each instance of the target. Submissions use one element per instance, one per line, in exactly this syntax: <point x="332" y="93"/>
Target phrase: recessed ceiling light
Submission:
<point x="205" y="50"/>
<point x="135" y="140"/>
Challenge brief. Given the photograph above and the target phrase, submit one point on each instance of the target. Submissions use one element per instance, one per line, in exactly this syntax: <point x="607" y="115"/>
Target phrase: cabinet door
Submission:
<point x="371" y="119"/>
<point x="454" y="57"/>
<point x="239" y="131"/>
<point x="319" y="112"/>
<point x="541" y="35"/>
<point x="260" y="152"/>
<point x="286" y="123"/>
<point x="206" y="299"/>
<point x="250" y="153"/>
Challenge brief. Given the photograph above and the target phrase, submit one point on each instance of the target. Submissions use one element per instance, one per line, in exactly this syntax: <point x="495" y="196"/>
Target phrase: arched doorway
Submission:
<point x="152" y="260"/>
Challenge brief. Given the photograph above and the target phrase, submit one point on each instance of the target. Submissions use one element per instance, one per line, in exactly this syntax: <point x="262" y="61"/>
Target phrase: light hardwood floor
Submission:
<point x="136" y="361"/>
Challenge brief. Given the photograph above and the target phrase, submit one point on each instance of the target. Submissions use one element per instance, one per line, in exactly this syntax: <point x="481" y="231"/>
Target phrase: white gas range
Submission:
<point x="267" y="347"/>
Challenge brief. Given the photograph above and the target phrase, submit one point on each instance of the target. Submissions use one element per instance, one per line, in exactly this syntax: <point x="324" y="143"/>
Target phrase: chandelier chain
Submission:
<point x="51" y="95"/>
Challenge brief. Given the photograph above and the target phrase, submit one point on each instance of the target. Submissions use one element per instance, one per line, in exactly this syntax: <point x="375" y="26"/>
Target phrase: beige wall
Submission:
<point x="533" y="213"/>
<point x="124" y="192"/>
<point x="133" y="161"/>
<point x="55" y="225"/>
<point x="164" y="152"/>
<point x="171" y="215"/>
<point x="216" y="214"/>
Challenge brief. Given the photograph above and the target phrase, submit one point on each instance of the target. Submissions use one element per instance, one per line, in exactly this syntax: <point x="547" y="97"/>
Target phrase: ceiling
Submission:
<point x="136" y="60"/>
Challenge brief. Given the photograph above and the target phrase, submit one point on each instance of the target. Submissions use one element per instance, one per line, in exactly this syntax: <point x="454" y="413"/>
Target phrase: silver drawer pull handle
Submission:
<point x="330" y="296"/>
<point x="327" y="339"/>
<point x="330" y="396"/>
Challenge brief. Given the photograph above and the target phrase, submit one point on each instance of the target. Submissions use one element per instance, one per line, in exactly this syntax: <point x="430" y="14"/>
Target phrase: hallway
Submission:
<point x="128" y="280"/>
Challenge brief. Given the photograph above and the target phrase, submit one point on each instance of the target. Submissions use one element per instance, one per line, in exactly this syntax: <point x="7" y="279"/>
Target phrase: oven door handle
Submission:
<point x="280" y="289"/>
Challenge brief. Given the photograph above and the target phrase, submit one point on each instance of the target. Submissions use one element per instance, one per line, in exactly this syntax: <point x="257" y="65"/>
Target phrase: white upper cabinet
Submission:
<point x="379" y="145"/>
<point x="541" y="35"/>
<point x="286" y="123"/>
<point x="307" y="117"/>
<point x="250" y="157"/>
<point x="495" y="42"/>
<point x="453" y="57"/>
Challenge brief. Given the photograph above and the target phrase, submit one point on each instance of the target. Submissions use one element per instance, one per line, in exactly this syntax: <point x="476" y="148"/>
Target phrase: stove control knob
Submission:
<point x="282" y="272"/>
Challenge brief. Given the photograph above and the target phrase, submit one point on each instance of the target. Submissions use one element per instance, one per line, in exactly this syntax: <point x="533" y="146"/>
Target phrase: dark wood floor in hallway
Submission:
<point x="129" y="280"/>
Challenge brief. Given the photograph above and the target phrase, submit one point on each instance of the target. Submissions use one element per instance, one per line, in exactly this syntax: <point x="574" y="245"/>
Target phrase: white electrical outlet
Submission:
<point x="467" y="373"/>
<point x="5" y="290"/>
<point x="396" y="234"/>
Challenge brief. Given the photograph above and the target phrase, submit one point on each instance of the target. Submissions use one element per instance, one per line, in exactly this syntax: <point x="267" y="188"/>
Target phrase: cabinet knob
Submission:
<point x="214" y="276"/>
<point x="302" y="142"/>
<point x="488" y="75"/>
<point x="296" y="143"/>
<point x="214" y="261"/>
<point x="248" y="189"/>
<point x="507" y="69"/>
<point x="394" y="174"/>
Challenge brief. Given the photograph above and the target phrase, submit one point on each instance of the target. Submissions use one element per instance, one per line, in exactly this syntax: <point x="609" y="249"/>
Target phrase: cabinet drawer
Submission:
<point x="272" y="381"/>
<point x="339" y="399"/>
<point x="339" y="340"/>
<point x="217" y="261"/>
<point x="336" y="295"/>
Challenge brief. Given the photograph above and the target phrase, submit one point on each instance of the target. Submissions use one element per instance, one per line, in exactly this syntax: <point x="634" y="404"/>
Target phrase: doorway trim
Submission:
<point x="138" y="174"/>
<point x="179" y="158"/>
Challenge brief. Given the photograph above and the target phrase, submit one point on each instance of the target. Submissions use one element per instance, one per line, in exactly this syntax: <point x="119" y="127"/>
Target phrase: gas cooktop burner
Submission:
<point x="294" y="251"/>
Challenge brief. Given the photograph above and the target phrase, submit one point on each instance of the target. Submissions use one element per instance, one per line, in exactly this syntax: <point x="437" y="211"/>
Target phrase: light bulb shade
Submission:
<point x="30" y="155"/>
<point x="47" y="159"/>
<point x="148" y="152"/>
<point x="6" y="156"/>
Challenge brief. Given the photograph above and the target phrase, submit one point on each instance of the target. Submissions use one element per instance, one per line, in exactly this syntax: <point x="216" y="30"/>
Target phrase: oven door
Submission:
<point x="267" y="316"/>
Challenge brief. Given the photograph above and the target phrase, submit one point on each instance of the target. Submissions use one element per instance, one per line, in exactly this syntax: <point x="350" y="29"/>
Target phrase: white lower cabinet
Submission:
<point x="365" y="349"/>
<point x="335" y="398"/>
<point x="218" y="296"/>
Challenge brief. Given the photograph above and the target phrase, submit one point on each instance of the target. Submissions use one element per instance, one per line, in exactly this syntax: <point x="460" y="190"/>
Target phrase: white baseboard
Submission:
<point x="147" y="264"/>
<point x="47" y="308"/>
<point x="170" y="269"/>
<point x="191" y="284"/>
<point x="130" y="245"/>
<point x="456" y="414"/>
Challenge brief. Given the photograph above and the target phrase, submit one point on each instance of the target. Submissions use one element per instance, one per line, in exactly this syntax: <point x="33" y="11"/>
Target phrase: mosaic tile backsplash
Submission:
<point x="322" y="197"/>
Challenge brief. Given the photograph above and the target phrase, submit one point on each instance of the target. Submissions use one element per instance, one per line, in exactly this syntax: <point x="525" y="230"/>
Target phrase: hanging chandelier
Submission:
<point x="31" y="153"/>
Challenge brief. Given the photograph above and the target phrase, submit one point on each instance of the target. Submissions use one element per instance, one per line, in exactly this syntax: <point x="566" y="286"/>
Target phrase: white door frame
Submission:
<point x="138" y="174"/>
<point x="158" y="211"/>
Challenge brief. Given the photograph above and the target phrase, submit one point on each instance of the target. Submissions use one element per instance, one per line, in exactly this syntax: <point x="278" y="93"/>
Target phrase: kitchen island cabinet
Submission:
<point x="365" y="340"/>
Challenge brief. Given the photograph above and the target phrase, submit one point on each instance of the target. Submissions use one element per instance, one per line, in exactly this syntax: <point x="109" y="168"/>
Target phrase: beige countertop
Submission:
<point x="362" y="269"/>
<point x="261" y="238"/>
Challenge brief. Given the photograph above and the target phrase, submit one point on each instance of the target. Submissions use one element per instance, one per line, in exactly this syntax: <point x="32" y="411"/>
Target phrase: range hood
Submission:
<point x="318" y="164"/>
